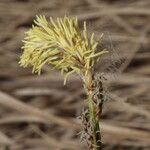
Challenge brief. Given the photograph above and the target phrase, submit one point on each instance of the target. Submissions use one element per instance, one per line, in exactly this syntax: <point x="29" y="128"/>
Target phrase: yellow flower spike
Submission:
<point x="61" y="44"/>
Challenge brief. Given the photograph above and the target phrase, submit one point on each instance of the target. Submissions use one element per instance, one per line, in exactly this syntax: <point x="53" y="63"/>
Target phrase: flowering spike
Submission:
<point x="61" y="44"/>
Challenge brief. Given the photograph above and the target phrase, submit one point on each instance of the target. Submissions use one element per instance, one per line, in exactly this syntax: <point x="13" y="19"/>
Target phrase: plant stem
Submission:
<point x="94" y="114"/>
<point x="94" y="121"/>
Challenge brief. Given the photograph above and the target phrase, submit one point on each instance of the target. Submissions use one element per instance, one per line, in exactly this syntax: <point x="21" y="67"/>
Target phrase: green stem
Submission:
<point x="93" y="113"/>
<point x="94" y="121"/>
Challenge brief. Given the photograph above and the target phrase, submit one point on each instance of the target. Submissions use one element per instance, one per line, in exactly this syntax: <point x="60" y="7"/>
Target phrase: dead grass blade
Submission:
<point x="4" y="140"/>
<point x="15" y="104"/>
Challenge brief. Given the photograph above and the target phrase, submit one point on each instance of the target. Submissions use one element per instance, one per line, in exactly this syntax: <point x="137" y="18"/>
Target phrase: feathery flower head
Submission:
<point x="61" y="44"/>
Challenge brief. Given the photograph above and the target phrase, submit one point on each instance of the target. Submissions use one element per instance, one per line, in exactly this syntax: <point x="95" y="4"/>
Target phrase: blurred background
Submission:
<point x="40" y="113"/>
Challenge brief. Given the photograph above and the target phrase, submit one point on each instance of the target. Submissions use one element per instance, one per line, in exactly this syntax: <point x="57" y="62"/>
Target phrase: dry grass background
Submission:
<point x="39" y="113"/>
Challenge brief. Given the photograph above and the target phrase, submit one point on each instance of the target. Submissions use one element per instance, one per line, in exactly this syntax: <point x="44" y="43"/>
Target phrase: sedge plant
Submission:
<point x="61" y="44"/>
